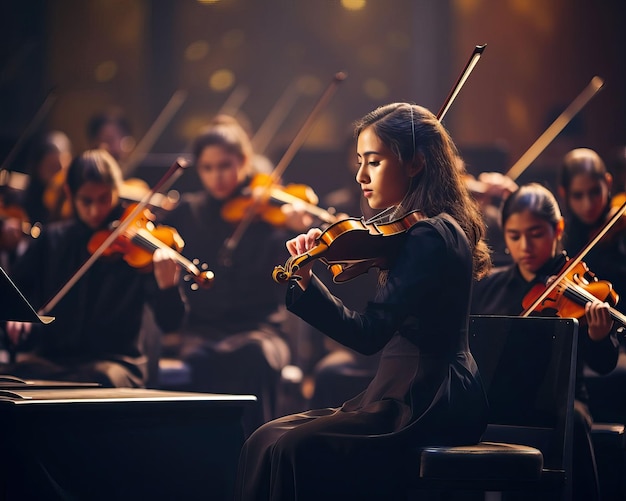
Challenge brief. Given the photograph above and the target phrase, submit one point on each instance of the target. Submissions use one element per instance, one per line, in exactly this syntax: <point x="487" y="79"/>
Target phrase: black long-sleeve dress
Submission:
<point x="95" y="336"/>
<point x="427" y="389"/>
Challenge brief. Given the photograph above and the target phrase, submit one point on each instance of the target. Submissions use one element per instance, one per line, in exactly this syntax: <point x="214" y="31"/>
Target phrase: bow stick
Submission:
<point x="555" y="128"/>
<point x="473" y="61"/>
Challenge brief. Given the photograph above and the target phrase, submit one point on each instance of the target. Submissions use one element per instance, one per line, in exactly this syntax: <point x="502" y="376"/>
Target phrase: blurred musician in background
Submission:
<point x="95" y="336"/>
<point x="111" y="131"/>
<point x="232" y="338"/>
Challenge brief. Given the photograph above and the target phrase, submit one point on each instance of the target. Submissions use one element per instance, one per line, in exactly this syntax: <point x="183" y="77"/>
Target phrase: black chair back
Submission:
<point x="528" y="367"/>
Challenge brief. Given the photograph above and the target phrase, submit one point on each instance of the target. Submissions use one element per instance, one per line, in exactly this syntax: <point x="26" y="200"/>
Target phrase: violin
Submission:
<point x="574" y="290"/>
<point x="141" y="238"/>
<point x="574" y="280"/>
<point x="351" y="247"/>
<point x="269" y="198"/>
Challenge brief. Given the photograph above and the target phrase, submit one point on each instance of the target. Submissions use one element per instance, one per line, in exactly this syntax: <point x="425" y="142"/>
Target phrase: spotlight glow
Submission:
<point x="221" y="80"/>
<point x="353" y="4"/>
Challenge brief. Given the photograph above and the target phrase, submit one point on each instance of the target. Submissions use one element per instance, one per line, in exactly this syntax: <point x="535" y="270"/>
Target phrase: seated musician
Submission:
<point x="95" y="336"/>
<point x="232" y="338"/>
<point x="426" y="389"/>
<point x="533" y="227"/>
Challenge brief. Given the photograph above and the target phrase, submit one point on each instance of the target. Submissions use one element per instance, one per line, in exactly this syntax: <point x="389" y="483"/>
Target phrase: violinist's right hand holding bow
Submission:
<point x="299" y="245"/>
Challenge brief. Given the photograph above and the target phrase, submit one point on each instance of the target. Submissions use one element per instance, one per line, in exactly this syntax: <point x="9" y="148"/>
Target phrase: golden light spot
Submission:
<point x="309" y="85"/>
<point x="466" y="7"/>
<point x="233" y="39"/>
<point x="375" y="88"/>
<point x="221" y="80"/>
<point x="105" y="71"/>
<point x="208" y="1"/>
<point x="353" y="4"/>
<point x="196" y="50"/>
<point x="190" y="127"/>
<point x="542" y="17"/>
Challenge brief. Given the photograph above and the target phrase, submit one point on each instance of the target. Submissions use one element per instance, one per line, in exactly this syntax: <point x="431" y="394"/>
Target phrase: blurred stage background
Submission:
<point x="260" y="58"/>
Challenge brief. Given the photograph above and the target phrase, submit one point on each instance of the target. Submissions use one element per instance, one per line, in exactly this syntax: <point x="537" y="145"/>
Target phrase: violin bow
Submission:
<point x="572" y="263"/>
<point x="555" y="128"/>
<point x="231" y="243"/>
<point x="471" y="63"/>
<point x="172" y="173"/>
<point x="156" y="129"/>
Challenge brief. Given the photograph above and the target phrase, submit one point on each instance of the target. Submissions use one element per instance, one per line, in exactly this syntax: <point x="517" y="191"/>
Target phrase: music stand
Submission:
<point x="14" y="306"/>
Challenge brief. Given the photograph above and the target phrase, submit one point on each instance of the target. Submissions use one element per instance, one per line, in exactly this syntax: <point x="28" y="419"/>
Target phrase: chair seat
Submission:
<point x="483" y="461"/>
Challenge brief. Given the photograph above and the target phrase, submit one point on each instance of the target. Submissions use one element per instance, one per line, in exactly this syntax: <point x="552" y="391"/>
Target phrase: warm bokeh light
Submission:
<point x="197" y="50"/>
<point x="375" y="88"/>
<point x="233" y="39"/>
<point x="353" y="4"/>
<point x="466" y="7"/>
<point x="208" y="1"/>
<point x="105" y="71"/>
<point x="221" y="80"/>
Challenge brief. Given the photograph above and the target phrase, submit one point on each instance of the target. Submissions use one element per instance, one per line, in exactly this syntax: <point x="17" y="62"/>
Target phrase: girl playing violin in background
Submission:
<point x="95" y="336"/>
<point x="586" y="188"/>
<point x="232" y="338"/>
<point x="427" y="389"/>
<point x="533" y="228"/>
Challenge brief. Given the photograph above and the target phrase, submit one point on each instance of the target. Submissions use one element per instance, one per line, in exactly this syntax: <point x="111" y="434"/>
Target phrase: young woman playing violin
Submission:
<point x="232" y="338"/>
<point x="533" y="227"/>
<point x="427" y="389"/>
<point x="95" y="336"/>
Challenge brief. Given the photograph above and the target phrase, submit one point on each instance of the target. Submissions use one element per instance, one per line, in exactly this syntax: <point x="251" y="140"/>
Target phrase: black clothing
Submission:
<point x="99" y="319"/>
<point x="426" y="390"/>
<point x="232" y="336"/>
<point x="502" y="293"/>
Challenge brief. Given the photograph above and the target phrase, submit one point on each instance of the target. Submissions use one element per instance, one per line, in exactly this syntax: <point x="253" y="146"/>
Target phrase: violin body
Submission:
<point x="266" y="198"/>
<point x="572" y="292"/>
<point x="140" y="239"/>
<point x="351" y="247"/>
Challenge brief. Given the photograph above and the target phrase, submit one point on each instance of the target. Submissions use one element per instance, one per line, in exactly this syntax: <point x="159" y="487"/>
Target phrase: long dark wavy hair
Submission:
<point x="411" y="132"/>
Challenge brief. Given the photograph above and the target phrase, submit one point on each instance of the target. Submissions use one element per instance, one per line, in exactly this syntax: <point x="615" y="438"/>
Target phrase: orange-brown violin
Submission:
<point x="574" y="290"/>
<point x="141" y="238"/>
